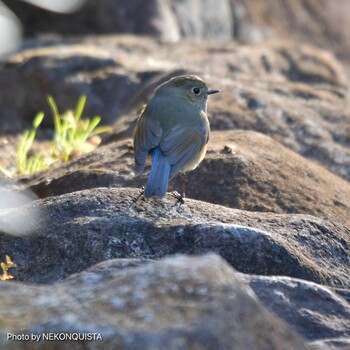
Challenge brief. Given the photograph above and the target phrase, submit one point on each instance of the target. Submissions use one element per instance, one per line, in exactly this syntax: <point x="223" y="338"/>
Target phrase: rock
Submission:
<point x="294" y="94"/>
<point x="331" y="344"/>
<point x="176" y="303"/>
<point x="66" y="73"/>
<point x="107" y="166"/>
<point x="312" y="310"/>
<point x="316" y="23"/>
<point x="169" y="20"/>
<point x="249" y="171"/>
<point x="242" y="169"/>
<point x="75" y="231"/>
<point x="269" y="88"/>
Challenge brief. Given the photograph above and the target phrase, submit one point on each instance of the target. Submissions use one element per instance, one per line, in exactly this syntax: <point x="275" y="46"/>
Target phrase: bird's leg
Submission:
<point x="141" y="193"/>
<point x="183" y="185"/>
<point x="180" y="196"/>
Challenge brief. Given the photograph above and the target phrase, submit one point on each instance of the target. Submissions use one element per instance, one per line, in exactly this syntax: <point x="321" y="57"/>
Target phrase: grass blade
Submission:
<point x="80" y="107"/>
<point x="55" y="113"/>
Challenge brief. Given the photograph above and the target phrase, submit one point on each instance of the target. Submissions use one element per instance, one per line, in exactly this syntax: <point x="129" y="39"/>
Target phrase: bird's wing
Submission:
<point x="180" y="145"/>
<point x="147" y="135"/>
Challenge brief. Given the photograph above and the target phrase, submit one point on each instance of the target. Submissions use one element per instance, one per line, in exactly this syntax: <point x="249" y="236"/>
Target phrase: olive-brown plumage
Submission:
<point x="174" y="129"/>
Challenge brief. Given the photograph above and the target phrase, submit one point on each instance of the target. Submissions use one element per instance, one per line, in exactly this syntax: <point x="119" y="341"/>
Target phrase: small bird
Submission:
<point x="174" y="129"/>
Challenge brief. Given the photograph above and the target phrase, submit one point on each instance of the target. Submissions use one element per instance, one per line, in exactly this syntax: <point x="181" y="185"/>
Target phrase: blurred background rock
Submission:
<point x="11" y="28"/>
<point x="317" y="22"/>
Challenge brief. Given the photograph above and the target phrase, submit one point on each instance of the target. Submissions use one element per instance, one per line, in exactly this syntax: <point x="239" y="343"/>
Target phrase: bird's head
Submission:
<point x="189" y="88"/>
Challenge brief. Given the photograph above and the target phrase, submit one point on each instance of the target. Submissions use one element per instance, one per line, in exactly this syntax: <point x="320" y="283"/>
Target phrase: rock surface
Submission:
<point x="243" y="170"/>
<point x="177" y="303"/>
<point x="314" y="311"/>
<point x="69" y="233"/>
<point x="268" y="88"/>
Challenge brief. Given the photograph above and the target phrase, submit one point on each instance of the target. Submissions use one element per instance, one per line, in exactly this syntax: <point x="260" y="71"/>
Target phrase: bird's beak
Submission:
<point x="210" y="92"/>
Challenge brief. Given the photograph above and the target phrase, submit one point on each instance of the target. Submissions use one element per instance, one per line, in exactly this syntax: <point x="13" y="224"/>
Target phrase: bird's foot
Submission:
<point x="178" y="196"/>
<point x="139" y="196"/>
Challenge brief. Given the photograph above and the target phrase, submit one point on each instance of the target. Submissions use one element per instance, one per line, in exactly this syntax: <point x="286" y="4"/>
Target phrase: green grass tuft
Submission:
<point x="71" y="138"/>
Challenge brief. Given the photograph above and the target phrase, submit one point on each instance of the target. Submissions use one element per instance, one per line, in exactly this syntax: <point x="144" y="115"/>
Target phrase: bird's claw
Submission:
<point x="141" y="193"/>
<point x="178" y="196"/>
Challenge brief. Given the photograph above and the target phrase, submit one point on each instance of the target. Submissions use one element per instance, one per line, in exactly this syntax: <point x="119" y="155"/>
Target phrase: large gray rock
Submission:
<point x="243" y="169"/>
<point x="66" y="234"/>
<point x="314" y="311"/>
<point x="176" y="303"/>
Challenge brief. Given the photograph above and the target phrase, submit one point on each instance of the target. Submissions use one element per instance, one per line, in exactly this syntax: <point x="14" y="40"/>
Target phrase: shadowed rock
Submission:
<point x="314" y="311"/>
<point x="176" y="303"/>
<point x="243" y="169"/>
<point x="78" y="230"/>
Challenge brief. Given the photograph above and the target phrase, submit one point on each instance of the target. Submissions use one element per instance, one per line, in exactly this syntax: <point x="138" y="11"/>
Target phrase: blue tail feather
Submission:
<point x="157" y="183"/>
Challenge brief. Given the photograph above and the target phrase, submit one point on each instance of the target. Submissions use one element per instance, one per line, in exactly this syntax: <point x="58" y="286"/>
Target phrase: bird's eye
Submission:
<point x="196" y="90"/>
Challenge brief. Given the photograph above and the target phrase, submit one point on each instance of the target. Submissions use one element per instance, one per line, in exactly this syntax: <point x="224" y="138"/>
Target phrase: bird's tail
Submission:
<point x="157" y="183"/>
